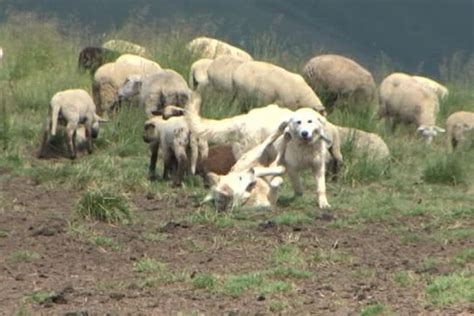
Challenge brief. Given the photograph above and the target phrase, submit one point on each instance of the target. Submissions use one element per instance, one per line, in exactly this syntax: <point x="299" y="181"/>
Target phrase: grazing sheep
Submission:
<point x="156" y="91"/>
<point x="272" y="84"/>
<point x="181" y="149"/>
<point x="441" y="91"/>
<point x="339" y="79"/>
<point x="110" y="77"/>
<point x="205" y="47"/>
<point x="220" y="73"/>
<point x="91" y="58"/>
<point x="364" y="143"/>
<point x="198" y="73"/>
<point x="138" y="61"/>
<point x="125" y="47"/>
<point x="71" y="108"/>
<point x="457" y="126"/>
<point x="403" y="99"/>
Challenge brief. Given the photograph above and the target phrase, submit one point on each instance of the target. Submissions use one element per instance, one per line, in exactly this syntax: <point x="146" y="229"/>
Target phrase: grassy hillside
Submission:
<point x="420" y="202"/>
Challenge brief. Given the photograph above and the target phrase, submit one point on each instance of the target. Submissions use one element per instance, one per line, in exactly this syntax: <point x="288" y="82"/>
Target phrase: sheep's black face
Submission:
<point x="148" y="133"/>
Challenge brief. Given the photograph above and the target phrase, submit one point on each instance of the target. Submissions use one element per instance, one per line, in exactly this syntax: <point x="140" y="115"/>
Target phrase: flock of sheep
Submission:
<point x="251" y="151"/>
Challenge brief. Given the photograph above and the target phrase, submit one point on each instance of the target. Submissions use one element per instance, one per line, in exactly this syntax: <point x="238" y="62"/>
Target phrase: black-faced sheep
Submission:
<point x="339" y="80"/>
<point x="91" y="58"/>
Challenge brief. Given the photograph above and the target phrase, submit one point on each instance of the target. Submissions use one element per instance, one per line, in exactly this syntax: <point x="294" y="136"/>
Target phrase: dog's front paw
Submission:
<point x="324" y="204"/>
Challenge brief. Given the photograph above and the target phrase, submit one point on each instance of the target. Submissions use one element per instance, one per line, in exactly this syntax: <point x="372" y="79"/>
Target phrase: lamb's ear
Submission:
<point x="171" y="110"/>
<point x="213" y="178"/>
<point x="439" y="129"/>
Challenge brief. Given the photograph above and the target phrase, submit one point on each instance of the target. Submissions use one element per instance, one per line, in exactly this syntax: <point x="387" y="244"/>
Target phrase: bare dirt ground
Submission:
<point x="89" y="279"/>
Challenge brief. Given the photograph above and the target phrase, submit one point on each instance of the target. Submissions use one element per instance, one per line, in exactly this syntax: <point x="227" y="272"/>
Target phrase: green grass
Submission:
<point x="147" y="265"/>
<point x="288" y="255"/>
<point x="104" y="206"/>
<point x="204" y="281"/>
<point x="19" y="256"/>
<point x="372" y="310"/>
<point x="449" y="290"/>
<point x="235" y="285"/>
<point x="292" y="218"/>
<point x="445" y="169"/>
<point x="464" y="257"/>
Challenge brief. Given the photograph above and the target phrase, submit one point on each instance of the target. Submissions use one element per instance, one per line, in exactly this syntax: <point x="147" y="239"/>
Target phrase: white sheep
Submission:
<point x="156" y="91"/>
<point x="403" y="99"/>
<point x="125" y="47"/>
<point x="268" y="83"/>
<point x="221" y="71"/>
<point x="364" y="143"/>
<point x="441" y="91"/>
<point x="110" y="77"/>
<point x="198" y="73"/>
<point x="181" y="149"/>
<point x="339" y="79"/>
<point x="1" y="55"/>
<point x="71" y="108"/>
<point x="205" y="47"/>
<point x="138" y="61"/>
<point x="458" y="125"/>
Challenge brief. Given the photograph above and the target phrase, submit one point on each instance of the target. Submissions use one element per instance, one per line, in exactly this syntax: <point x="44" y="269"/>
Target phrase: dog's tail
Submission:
<point x="219" y="131"/>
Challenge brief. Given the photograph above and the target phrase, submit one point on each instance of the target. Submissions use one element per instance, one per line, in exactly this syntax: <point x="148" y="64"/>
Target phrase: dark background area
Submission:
<point x="414" y="34"/>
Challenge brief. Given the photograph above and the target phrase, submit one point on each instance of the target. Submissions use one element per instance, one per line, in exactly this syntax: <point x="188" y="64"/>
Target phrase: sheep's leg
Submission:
<point x="153" y="158"/>
<point x="71" y="142"/>
<point x="193" y="143"/>
<point x="319" y="171"/>
<point x="169" y="164"/>
<point x="183" y="162"/>
<point x="89" y="139"/>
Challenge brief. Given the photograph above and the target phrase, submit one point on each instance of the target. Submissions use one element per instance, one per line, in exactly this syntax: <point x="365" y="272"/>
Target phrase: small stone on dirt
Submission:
<point x="266" y="225"/>
<point x="116" y="296"/>
<point x="261" y="297"/>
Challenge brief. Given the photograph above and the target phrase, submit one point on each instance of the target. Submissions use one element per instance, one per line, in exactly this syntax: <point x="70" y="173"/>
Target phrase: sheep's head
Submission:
<point x="428" y="132"/>
<point x="307" y="125"/>
<point x="131" y="87"/>
<point x="150" y="131"/>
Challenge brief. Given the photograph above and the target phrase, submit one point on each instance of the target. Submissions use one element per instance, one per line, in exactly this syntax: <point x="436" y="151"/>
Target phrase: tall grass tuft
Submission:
<point x="104" y="206"/>
<point x="445" y="169"/>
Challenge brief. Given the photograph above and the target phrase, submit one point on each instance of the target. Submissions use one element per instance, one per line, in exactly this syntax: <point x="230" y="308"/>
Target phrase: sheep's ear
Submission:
<point x="439" y="129"/>
<point x="421" y="129"/>
<point x="213" y="178"/>
<point x="171" y="110"/>
<point x="100" y="119"/>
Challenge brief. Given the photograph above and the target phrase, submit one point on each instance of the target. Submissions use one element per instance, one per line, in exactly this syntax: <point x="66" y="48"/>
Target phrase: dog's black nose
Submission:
<point x="304" y="134"/>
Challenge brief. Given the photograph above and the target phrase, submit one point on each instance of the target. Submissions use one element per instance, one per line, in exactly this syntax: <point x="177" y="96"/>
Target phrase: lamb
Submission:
<point x="181" y="149"/>
<point x="272" y="84"/>
<point x="198" y="73"/>
<point x="441" y="91"/>
<point x="125" y="47"/>
<point x="458" y="125"/>
<point x="403" y="99"/>
<point x="91" y="58"/>
<point x="156" y="91"/>
<point x="110" y="77"/>
<point x="71" y="108"/>
<point x="205" y="47"/>
<point x="364" y="143"/>
<point x="340" y="80"/>
<point x="138" y="61"/>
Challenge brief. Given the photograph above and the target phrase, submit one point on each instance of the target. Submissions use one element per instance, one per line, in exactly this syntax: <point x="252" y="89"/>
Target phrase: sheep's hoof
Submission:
<point x="176" y="185"/>
<point x="152" y="178"/>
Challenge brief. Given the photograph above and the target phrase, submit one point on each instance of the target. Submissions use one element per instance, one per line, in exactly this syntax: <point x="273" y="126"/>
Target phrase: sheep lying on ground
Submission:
<point x="364" y="143"/>
<point x="460" y="129"/>
<point x="91" y="58"/>
<point x="181" y="149"/>
<point x="138" y="61"/>
<point x="403" y="99"/>
<point x="71" y="108"/>
<point x="339" y="79"/>
<point x="268" y="83"/>
<point x="198" y="73"/>
<point x="441" y="91"/>
<point x="110" y="77"/>
<point x="205" y="47"/>
<point x="156" y="91"/>
<point x="125" y="47"/>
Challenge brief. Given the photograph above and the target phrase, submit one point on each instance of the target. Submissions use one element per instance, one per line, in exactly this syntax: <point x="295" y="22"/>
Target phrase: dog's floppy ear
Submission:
<point x="213" y="178"/>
